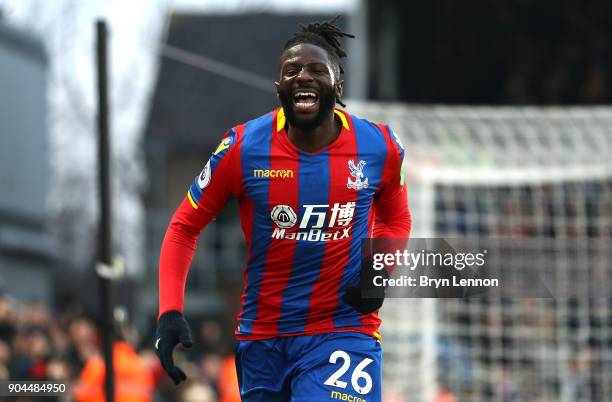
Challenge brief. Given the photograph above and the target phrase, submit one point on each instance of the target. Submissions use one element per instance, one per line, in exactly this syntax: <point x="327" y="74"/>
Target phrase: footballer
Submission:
<point x="312" y="181"/>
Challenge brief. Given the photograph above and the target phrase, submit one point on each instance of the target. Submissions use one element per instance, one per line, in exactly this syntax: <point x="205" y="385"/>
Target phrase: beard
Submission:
<point x="327" y="101"/>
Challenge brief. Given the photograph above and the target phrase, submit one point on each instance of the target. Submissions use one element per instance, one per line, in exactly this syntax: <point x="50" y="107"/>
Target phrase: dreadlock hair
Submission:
<point x="324" y="35"/>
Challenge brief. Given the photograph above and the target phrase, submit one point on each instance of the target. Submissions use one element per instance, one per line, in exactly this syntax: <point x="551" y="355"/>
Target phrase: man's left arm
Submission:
<point x="391" y="214"/>
<point x="391" y="220"/>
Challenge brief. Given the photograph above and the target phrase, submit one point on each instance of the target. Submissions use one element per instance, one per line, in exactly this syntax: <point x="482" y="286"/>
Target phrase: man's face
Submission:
<point x="307" y="86"/>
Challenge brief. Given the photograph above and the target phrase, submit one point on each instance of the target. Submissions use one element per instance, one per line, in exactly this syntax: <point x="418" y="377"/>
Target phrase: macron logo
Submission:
<point x="273" y="173"/>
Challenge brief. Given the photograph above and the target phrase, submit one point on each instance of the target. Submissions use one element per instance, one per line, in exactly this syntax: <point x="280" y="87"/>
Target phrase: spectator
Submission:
<point x="133" y="379"/>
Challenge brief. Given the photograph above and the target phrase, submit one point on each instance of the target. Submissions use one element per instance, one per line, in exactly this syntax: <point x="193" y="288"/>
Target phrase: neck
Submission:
<point x="316" y="138"/>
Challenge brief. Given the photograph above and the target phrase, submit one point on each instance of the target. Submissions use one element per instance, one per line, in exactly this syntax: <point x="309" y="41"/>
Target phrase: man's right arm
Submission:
<point x="176" y="254"/>
<point x="208" y="194"/>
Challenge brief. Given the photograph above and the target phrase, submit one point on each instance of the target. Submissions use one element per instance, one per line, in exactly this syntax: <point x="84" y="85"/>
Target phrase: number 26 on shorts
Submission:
<point x="358" y="376"/>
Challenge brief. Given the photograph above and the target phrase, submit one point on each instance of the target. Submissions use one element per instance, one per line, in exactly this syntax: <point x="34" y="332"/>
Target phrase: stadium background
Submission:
<point x="502" y="108"/>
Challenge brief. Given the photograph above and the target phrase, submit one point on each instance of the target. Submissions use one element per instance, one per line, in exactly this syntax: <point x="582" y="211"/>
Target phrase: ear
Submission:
<point x="277" y="85"/>
<point x="339" y="86"/>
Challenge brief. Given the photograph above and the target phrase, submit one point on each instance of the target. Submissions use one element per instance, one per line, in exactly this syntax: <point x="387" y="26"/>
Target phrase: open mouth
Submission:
<point x="305" y="100"/>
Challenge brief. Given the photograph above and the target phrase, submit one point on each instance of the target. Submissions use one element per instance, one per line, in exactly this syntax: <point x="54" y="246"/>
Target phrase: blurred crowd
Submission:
<point x="38" y="344"/>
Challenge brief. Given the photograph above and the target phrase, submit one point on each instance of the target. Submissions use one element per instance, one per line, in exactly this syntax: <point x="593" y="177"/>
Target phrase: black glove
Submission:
<point x="365" y="305"/>
<point x="172" y="328"/>
<point x="366" y="298"/>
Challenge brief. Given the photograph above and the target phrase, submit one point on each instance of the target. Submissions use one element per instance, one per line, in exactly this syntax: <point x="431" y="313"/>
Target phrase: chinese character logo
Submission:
<point x="342" y="214"/>
<point x="312" y="223"/>
<point x="357" y="172"/>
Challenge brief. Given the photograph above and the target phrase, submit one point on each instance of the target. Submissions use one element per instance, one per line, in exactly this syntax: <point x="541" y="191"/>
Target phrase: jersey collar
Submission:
<point x="280" y="119"/>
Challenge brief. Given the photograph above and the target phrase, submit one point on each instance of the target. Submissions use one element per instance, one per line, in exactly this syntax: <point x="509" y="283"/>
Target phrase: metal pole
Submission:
<point x="105" y="208"/>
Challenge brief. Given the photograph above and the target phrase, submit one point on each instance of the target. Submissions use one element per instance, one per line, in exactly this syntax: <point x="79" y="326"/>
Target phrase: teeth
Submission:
<point x="305" y="94"/>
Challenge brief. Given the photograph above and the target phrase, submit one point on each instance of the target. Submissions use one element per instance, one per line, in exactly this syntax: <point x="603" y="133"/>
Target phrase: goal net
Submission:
<point x="540" y="175"/>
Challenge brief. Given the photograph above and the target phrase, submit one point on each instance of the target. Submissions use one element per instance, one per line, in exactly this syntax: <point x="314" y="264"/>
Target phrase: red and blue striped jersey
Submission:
<point x="303" y="215"/>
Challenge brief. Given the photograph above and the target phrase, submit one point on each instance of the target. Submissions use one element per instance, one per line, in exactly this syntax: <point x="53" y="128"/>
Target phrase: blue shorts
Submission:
<point x="338" y="366"/>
